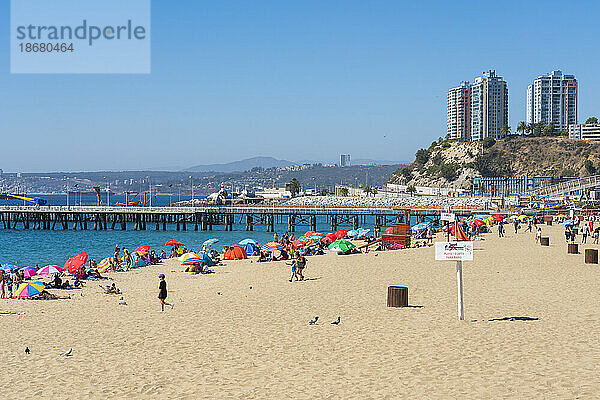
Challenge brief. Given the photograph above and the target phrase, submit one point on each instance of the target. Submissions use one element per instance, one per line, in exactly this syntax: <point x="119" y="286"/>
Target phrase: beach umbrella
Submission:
<point x="421" y="227"/>
<point x="271" y="246"/>
<point x="352" y="233"/>
<point x="301" y="243"/>
<point x="8" y="267"/>
<point x="193" y="260"/>
<point x="477" y="222"/>
<point x="246" y="241"/>
<point x="498" y="217"/>
<point x="362" y="233"/>
<point x="29" y="272"/>
<point x="49" y="270"/>
<point x="142" y="249"/>
<point x="190" y="254"/>
<point x="389" y="231"/>
<point x="210" y="242"/>
<point x="569" y="222"/>
<point x="522" y="217"/>
<point x="173" y="243"/>
<point x="340" y="234"/>
<point x="105" y="264"/>
<point x="308" y="233"/>
<point x="341" y="246"/>
<point x="326" y="240"/>
<point x="75" y="263"/>
<point x="331" y="236"/>
<point x="29" y="289"/>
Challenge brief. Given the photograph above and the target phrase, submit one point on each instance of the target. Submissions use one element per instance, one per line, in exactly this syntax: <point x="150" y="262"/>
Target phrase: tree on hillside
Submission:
<point x="368" y="190"/>
<point x="411" y="189"/>
<point x="522" y="127"/>
<point x="589" y="167"/>
<point x="344" y="192"/>
<point x="488" y="142"/>
<point x="422" y="156"/>
<point x="294" y="187"/>
<point x="591" y="120"/>
<point x="325" y="192"/>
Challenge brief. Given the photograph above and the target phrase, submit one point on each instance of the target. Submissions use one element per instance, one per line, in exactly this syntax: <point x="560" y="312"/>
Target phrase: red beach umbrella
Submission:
<point x="172" y="243"/>
<point x="327" y="240"/>
<point x="341" y="234"/>
<point x="75" y="263"/>
<point x="143" y="249"/>
<point x="478" y="222"/>
<point x="498" y="217"/>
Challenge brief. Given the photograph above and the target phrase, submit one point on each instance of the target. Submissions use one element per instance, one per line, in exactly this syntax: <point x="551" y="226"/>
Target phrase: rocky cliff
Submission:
<point x="455" y="164"/>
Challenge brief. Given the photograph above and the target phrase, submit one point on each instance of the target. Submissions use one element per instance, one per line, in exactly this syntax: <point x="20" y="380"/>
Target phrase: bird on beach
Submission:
<point x="27" y="350"/>
<point x="67" y="353"/>
<point x="337" y="321"/>
<point x="313" y="321"/>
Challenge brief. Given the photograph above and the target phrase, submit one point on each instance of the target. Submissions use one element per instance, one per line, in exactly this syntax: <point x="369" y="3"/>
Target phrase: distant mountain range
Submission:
<point x="242" y="165"/>
<point x="271" y="162"/>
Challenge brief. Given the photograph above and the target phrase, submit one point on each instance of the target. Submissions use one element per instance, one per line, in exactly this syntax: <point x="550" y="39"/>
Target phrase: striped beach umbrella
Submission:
<point x="105" y="264"/>
<point x="29" y="272"/>
<point x="30" y="289"/>
<point x="49" y="270"/>
<point x="186" y="256"/>
<point x="193" y="260"/>
<point x="210" y="242"/>
<point x="272" y="246"/>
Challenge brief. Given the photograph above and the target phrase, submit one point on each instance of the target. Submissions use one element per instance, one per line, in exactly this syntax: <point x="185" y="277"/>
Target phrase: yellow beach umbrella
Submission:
<point x="191" y="254"/>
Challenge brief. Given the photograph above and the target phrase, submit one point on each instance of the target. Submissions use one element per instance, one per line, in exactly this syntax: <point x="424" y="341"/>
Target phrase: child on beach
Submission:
<point x="162" y="292"/>
<point x="538" y="234"/>
<point x="293" y="264"/>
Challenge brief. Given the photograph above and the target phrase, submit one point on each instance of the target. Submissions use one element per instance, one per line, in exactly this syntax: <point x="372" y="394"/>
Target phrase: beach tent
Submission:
<point x="246" y="241"/>
<point x="340" y="234"/>
<point x="235" y="252"/>
<point x="249" y="247"/>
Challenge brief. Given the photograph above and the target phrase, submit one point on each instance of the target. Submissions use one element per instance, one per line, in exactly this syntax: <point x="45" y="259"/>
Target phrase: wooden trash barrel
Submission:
<point x="573" y="248"/>
<point x="591" y="256"/>
<point x="545" y="241"/>
<point x="397" y="296"/>
<point x="549" y="222"/>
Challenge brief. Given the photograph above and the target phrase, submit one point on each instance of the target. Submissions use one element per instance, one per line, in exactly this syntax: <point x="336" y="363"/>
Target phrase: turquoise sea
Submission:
<point x="31" y="247"/>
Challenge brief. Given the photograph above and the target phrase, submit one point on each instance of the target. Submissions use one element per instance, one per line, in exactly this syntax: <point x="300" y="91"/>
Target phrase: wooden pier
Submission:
<point x="205" y="218"/>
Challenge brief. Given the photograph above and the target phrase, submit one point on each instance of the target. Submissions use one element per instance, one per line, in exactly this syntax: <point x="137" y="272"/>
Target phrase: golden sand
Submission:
<point x="253" y="339"/>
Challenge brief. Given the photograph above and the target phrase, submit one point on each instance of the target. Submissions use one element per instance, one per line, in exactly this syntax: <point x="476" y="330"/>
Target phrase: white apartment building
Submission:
<point x="584" y="131"/>
<point x="459" y="112"/>
<point x="489" y="106"/>
<point x="553" y="99"/>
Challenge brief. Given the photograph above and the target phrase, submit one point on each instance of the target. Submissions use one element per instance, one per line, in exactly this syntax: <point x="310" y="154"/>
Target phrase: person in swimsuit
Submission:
<point x="162" y="292"/>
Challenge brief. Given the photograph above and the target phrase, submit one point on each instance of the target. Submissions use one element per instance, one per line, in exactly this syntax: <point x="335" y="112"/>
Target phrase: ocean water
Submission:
<point x="31" y="247"/>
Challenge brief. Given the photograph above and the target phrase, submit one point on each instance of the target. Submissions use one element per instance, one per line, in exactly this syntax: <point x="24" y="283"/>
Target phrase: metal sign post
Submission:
<point x="459" y="252"/>
<point x="461" y="311"/>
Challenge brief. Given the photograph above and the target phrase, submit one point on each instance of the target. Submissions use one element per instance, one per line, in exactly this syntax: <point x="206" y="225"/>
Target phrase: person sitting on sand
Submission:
<point x="44" y="295"/>
<point x="56" y="282"/>
<point x="112" y="289"/>
<point x="262" y="257"/>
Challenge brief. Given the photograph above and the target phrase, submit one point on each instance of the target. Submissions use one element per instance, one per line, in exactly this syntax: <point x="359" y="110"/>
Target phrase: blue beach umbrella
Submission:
<point x="421" y="227"/>
<point x="352" y="233"/>
<point x="8" y="267"/>
<point x="569" y="222"/>
<point x="362" y="233"/>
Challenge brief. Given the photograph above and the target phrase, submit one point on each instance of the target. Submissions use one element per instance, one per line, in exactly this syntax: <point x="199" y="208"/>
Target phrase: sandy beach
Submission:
<point x="243" y="332"/>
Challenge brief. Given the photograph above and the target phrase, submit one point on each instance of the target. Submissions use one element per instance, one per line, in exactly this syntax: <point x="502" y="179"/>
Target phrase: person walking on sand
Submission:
<point x="529" y="225"/>
<point x="300" y="265"/>
<point x="538" y="234"/>
<point x="162" y="292"/>
<point x="516" y="226"/>
<point x="501" y="229"/>
<point x="584" y="233"/>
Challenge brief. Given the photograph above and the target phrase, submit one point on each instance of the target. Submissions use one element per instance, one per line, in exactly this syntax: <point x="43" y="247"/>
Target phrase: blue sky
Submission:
<point x="293" y="80"/>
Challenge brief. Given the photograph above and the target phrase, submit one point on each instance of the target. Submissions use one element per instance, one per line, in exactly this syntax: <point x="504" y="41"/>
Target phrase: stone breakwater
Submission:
<point x="405" y="201"/>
